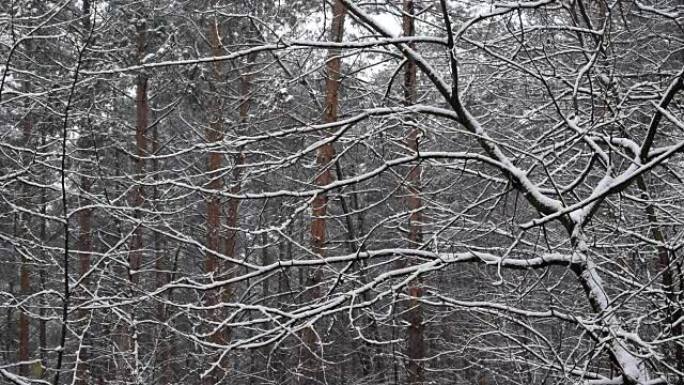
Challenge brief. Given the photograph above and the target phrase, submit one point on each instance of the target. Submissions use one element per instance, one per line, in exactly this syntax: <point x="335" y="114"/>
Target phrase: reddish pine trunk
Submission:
<point x="234" y="204"/>
<point x="135" y="256"/>
<point x="327" y="151"/>
<point x="214" y="135"/>
<point x="312" y="372"/>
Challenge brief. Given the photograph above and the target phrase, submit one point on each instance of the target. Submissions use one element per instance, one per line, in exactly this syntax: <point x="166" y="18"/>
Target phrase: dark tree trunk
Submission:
<point x="24" y="271"/>
<point x="141" y="122"/>
<point x="415" y="344"/>
<point x="664" y="263"/>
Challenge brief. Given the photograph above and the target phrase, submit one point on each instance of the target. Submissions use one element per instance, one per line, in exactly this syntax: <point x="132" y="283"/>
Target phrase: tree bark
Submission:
<point x="130" y="337"/>
<point x="239" y="160"/>
<point x="25" y="289"/>
<point x="85" y="241"/>
<point x="24" y="271"/>
<point x="214" y="135"/>
<point x="664" y="263"/>
<point x="142" y="119"/>
<point x="312" y="372"/>
<point x="415" y="344"/>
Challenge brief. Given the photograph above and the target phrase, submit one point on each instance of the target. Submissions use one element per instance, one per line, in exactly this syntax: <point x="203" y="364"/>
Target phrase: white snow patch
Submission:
<point x="389" y="22"/>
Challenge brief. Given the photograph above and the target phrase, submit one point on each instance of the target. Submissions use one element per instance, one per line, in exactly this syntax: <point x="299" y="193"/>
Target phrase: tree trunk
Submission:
<point x="664" y="263"/>
<point x="25" y="288"/>
<point x="415" y="344"/>
<point x="85" y="240"/>
<point x="142" y="118"/>
<point x="312" y="372"/>
<point x="42" y="332"/>
<point x="130" y="337"/>
<point x="24" y="272"/>
<point x="239" y="160"/>
<point x="214" y="135"/>
<point x="85" y="247"/>
<point x="162" y="276"/>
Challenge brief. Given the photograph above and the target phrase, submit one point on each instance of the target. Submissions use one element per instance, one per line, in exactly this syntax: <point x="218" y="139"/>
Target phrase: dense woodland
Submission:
<point x="341" y="192"/>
